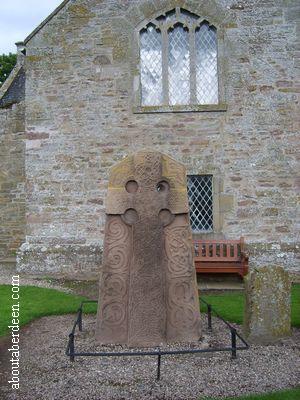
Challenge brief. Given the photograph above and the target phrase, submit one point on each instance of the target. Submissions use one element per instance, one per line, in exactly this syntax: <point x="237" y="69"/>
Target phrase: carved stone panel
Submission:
<point x="148" y="293"/>
<point x="113" y="313"/>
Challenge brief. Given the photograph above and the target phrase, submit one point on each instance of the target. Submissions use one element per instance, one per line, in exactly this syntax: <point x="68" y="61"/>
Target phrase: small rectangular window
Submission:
<point x="200" y="193"/>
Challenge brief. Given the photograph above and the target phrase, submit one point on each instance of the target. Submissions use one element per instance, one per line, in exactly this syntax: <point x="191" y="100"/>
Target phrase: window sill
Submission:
<point x="213" y="235"/>
<point x="201" y="233"/>
<point x="175" y="109"/>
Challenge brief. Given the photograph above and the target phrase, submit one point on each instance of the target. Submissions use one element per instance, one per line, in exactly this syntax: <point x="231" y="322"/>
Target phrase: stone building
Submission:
<point x="210" y="83"/>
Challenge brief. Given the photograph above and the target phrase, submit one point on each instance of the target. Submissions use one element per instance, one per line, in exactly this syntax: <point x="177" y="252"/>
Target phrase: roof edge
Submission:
<point x="45" y="21"/>
<point x="9" y="80"/>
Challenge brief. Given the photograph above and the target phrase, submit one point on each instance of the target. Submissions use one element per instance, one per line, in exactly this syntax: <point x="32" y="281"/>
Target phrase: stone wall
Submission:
<point x="12" y="181"/>
<point x="80" y="121"/>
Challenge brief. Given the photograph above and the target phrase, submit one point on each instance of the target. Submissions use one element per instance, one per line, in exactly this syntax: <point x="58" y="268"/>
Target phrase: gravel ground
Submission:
<point x="47" y="374"/>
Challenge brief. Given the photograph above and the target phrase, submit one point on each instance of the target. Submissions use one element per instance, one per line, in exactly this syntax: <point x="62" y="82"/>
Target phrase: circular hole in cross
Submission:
<point x="162" y="186"/>
<point x="130" y="216"/>
<point x="131" y="186"/>
<point x="166" y="217"/>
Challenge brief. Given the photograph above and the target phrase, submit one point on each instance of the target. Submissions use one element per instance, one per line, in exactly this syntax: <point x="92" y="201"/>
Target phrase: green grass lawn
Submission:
<point x="296" y="306"/>
<point x="36" y="302"/>
<point x="231" y="305"/>
<point x="292" y="394"/>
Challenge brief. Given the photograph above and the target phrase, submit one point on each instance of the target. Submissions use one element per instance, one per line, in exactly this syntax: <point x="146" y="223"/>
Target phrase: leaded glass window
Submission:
<point x="151" y="66"/>
<point x="200" y="193"/>
<point x="206" y="65"/>
<point x="179" y="66"/>
<point x="178" y="60"/>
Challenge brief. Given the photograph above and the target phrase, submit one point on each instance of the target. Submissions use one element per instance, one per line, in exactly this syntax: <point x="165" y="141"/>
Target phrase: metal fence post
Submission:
<point x="70" y="350"/>
<point x="80" y="319"/>
<point x="71" y="347"/>
<point x="209" y="317"/>
<point x="158" y="366"/>
<point x="233" y="343"/>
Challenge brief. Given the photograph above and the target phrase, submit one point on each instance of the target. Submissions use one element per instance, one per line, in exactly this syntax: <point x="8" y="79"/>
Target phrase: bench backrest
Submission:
<point x="219" y="250"/>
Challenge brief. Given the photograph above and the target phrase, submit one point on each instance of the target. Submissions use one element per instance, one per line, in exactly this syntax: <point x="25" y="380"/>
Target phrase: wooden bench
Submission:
<point x="220" y="256"/>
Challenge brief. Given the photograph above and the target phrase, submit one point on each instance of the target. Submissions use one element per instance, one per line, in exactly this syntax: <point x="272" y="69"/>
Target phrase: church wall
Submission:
<point x="80" y="121"/>
<point x="12" y="181"/>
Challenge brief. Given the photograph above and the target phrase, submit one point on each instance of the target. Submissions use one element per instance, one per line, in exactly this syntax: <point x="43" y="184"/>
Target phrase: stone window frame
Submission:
<point x="195" y="194"/>
<point x="223" y="203"/>
<point x="137" y="101"/>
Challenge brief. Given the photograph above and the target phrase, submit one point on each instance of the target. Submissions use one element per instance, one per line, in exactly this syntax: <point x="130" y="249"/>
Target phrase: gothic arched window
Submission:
<point x="178" y="61"/>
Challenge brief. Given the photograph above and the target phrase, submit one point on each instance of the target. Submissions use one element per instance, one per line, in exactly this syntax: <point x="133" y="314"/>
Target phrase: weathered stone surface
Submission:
<point x="12" y="182"/>
<point x="148" y="292"/>
<point x="76" y="261"/>
<point x="80" y="121"/>
<point x="268" y="308"/>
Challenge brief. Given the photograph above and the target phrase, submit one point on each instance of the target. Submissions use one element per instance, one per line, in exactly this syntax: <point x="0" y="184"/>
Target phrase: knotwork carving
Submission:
<point x="178" y="250"/>
<point x="181" y="303"/>
<point x="148" y="293"/>
<point x="182" y="300"/>
<point x="147" y="169"/>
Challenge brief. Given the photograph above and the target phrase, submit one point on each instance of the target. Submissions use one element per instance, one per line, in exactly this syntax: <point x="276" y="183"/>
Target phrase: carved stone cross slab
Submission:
<point x="148" y="292"/>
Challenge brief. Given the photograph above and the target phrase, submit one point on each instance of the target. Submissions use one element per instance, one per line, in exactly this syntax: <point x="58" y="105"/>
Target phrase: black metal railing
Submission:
<point x="72" y="353"/>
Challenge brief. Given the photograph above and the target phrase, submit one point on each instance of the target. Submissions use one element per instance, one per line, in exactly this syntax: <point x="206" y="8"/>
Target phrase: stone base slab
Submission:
<point x="61" y="257"/>
<point x="69" y="260"/>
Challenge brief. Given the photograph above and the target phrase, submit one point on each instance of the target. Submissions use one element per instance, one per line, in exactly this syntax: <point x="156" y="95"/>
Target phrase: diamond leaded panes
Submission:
<point x="178" y="60"/>
<point x="200" y="193"/>
<point x="151" y="66"/>
<point x="179" y="66"/>
<point x="206" y="65"/>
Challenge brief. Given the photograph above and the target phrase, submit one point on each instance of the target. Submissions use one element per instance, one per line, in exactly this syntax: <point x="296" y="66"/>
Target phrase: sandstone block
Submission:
<point x="148" y="293"/>
<point x="267" y="310"/>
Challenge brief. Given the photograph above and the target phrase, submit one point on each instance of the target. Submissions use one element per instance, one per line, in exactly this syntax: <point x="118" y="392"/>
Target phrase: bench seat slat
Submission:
<point x="208" y="259"/>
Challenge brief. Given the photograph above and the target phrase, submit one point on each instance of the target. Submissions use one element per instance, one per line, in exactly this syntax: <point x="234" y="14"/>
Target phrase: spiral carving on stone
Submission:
<point x="148" y="292"/>
<point x="181" y="302"/>
<point x="116" y="231"/>
<point x="114" y="286"/>
<point x="183" y="313"/>
<point x="113" y="313"/>
<point x="180" y="292"/>
<point x="183" y="318"/>
<point x="118" y="258"/>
